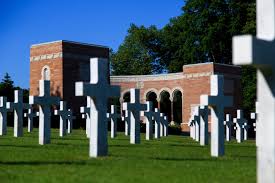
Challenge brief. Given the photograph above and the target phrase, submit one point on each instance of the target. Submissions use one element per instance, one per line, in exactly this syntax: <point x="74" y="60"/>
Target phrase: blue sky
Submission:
<point x="104" y="22"/>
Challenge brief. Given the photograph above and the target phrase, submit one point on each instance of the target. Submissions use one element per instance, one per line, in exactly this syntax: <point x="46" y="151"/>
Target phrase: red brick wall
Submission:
<point x="56" y="68"/>
<point x="73" y="66"/>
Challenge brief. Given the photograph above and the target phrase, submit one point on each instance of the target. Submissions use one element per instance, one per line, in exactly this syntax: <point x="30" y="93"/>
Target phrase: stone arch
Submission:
<point x="164" y="90"/>
<point x="150" y="90"/>
<point x="176" y="89"/>
<point x="46" y="73"/>
<point x="165" y="102"/>
<point x="151" y="95"/>
<point x="124" y="94"/>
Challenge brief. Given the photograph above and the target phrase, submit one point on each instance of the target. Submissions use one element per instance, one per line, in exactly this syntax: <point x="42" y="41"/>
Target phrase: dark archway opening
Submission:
<point x="177" y="107"/>
<point x="165" y="104"/>
<point x="152" y="96"/>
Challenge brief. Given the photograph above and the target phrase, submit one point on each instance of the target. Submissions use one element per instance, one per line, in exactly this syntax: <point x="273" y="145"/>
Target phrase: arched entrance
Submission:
<point x="177" y="106"/>
<point x="152" y="96"/>
<point x="165" y="104"/>
<point x="126" y="97"/>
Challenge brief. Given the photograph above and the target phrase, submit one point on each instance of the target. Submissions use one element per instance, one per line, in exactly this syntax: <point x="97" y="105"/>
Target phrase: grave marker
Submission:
<point x="126" y="119"/>
<point x="44" y="101"/>
<point x="228" y="126"/>
<point x="30" y="115"/>
<point x="3" y="115"/>
<point x="156" y="118"/>
<point x="113" y="116"/>
<point x="240" y="121"/>
<point x="148" y="114"/>
<point x="86" y="112"/>
<point x="18" y="107"/>
<point x="259" y="51"/>
<point x="63" y="117"/>
<point x="100" y="90"/>
<point x="217" y="101"/>
<point x="203" y="120"/>
<point x="134" y="107"/>
<point x="246" y="128"/>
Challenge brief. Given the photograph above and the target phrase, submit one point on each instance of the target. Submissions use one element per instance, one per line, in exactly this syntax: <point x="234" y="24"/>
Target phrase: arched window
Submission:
<point x="46" y="73"/>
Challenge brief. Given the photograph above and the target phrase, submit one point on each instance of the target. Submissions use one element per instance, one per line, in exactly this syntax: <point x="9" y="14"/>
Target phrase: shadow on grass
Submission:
<point x="72" y="139"/>
<point x="241" y="145"/>
<point x="44" y="163"/>
<point x="20" y="146"/>
<point x="126" y="145"/>
<point x="187" y="159"/>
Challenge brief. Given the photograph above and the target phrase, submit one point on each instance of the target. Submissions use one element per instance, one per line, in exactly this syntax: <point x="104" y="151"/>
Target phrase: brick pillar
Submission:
<point x="158" y="100"/>
<point x="172" y="110"/>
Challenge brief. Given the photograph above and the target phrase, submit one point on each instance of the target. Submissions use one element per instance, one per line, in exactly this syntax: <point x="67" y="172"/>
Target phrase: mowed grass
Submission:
<point x="170" y="159"/>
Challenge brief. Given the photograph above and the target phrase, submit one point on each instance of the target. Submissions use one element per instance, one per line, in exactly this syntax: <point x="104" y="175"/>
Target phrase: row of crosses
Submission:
<point x="44" y="102"/>
<point x="98" y="91"/>
<point x="217" y="101"/>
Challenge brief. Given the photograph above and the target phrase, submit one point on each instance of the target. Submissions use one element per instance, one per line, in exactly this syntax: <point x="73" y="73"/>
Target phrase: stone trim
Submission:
<point x="60" y="55"/>
<point x="158" y="77"/>
<point x="46" y="57"/>
<point x="66" y="41"/>
<point x="209" y="63"/>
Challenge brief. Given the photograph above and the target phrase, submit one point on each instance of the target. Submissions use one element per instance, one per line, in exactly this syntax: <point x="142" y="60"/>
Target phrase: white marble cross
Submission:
<point x="30" y="115"/>
<point x="134" y="107"/>
<point x="156" y="118"/>
<point x="239" y="121"/>
<point x="253" y="116"/>
<point x="44" y="101"/>
<point x="191" y="124"/>
<point x="246" y="128"/>
<point x="161" y="125"/>
<point x="126" y="119"/>
<point x="148" y="114"/>
<point x="217" y="101"/>
<point x="196" y="118"/>
<point x="113" y="116"/>
<point x="86" y="115"/>
<point x="166" y="124"/>
<point x="259" y="51"/>
<point x="100" y="90"/>
<point x="63" y="114"/>
<point x="71" y="118"/>
<point x="202" y="112"/>
<point x="3" y="115"/>
<point x="228" y="126"/>
<point x="18" y="107"/>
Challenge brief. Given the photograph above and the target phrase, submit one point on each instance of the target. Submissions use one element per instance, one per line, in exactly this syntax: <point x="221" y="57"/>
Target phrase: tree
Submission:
<point x="7" y="87"/>
<point x="136" y="55"/>
<point x="202" y="33"/>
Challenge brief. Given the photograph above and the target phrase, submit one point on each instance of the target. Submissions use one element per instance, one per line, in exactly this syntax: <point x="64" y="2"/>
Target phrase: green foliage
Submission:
<point x="7" y="89"/>
<point x="137" y="55"/>
<point x="169" y="159"/>
<point x="202" y="33"/>
<point x="249" y="88"/>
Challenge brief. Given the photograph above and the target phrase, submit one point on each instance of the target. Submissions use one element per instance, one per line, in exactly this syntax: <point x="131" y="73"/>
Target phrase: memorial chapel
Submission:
<point x="66" y="62"/>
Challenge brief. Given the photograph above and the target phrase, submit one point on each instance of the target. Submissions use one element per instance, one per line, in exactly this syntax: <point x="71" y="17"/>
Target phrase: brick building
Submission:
<point x="65" y="62"/>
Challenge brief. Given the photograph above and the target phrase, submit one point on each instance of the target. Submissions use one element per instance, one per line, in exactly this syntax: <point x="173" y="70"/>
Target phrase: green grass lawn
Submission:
<point x="170" y="159"/>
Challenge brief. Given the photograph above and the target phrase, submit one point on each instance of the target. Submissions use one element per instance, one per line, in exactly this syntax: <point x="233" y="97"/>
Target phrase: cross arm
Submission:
<point x="249" y="50"/>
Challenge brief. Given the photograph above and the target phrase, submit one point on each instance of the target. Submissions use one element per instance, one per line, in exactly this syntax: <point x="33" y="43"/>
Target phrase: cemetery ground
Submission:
<point x="170" y="159"/>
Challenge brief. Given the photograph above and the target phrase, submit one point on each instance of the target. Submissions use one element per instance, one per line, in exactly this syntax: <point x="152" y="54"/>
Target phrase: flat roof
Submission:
<point x="66" y="41"/>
